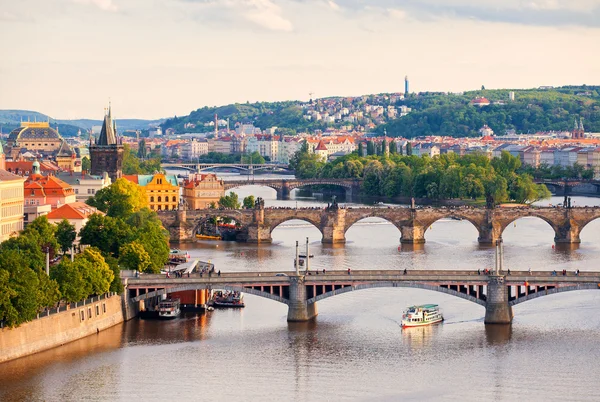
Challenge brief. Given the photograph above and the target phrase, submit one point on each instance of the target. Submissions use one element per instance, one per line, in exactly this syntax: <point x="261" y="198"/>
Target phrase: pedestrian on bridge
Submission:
<point x="348" y="271"/>
<point x="219" y="273"/>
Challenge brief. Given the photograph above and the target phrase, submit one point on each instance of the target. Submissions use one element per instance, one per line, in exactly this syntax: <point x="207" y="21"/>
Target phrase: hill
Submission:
<point x="433" y="113"/>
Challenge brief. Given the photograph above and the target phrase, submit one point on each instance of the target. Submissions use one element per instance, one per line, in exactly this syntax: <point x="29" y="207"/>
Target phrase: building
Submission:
<point x="107" y="152"/>
<point x="480" y="101"/>
<point x="162" y="190"/>
<point x="47" y="190"/>
<point x="578" y="132"/>
<point x="405" y="85"/>
<point x="193" y="149"/>
<point x="85" y="185"/>
<point x="24" y="168"/>
<point x="202" y="190"/>
<point x="66" y="158"/>
<point x="38" y="137"/>
<point x="77" y="213"/>
<point x="11" y="203"/>
<point x="321" y="151"/>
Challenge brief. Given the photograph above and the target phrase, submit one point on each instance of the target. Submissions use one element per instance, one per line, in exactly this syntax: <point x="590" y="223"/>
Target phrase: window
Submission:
<point x="152" y="199"/>
<point x="104" y="307"/>
<point x="81" y="315"/>
<point x="97" y="310"/>
<point x="159" y="207"/>
<point x="174" y="199"/>
<point x="90" y="312"/>
<point x="159" y="198"/>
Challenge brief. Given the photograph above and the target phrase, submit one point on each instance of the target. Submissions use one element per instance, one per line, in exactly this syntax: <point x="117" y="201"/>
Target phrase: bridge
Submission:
<point x="247" y="167"/>
<point x="284" y="187"/>
<point x="498" y="293"/>
<point x="571" y="186"/>
<point x="256" y="225"/>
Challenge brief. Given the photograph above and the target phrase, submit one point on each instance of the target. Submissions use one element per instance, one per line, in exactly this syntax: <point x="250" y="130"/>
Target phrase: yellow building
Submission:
<point x="35" y="136"/>
<point x="201" y="190"/>
<point x="11" y="204"/>
<point x="162" y="190"/>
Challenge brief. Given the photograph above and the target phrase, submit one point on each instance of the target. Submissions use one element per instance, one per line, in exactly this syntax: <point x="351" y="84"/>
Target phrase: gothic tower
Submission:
<point x="107" y="152"/>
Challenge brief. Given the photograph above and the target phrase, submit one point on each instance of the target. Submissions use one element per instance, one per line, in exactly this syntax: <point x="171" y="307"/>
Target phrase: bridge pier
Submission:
<point x="497" y="309"/>
<point x="299" y="309"/>
<point x="258" y="233"/>
<point x="567" y="233"/>
<point x="489" y="235"/>
<point x="333" y="227"/>
<point x="413" y="234"/>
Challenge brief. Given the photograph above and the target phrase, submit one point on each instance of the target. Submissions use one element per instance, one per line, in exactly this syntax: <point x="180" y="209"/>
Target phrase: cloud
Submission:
<point x="105" y="5"/>
<point x="266" y="14"/>
<point x="584" y="13"/>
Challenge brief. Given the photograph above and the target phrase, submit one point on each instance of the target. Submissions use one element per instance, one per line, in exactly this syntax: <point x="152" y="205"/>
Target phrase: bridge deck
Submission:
<point x="362" y="276"/>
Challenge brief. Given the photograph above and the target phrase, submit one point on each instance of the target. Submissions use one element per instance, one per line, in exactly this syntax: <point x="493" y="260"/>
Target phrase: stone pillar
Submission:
<point x="299" y="310"/>
<point x="412" y="234"/>
<point x="488" y="235"/>
<point x="333" y="225"/>
<point x="259" y="233"/>
<point x="497" y="309"/>
<point x="567" y="233"/>
<point x="283" y="193"/>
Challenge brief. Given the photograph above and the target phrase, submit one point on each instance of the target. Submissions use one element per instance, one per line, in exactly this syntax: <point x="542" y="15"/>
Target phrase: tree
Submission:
<point x="254" y="158"/>
<point x="151" y="234"/>
<point x="408" y="149"/>
<point x="142" y="152"/>
<point x="133" y="256"/>
<point x="43" y="233"/>
<point x="230" y="201"/>
<point x="65" y="235"/>
<point x="370" y="148"/>
<point x="70" y="280"/>
<point x="248" y="202"/>
<point x="361" y="151"/>
<point x="96" y="272"/>
<point x="120" y="199"/>
<point x="106" y="233"/>
<point x="86" y="164"/>
<point x="8" y="313"/>
<point x="393" y="149"/>
<point x="384" y="147"/>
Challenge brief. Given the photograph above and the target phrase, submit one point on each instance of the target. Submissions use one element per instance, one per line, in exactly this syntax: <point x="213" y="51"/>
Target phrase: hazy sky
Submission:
<point x="158" y="58"/>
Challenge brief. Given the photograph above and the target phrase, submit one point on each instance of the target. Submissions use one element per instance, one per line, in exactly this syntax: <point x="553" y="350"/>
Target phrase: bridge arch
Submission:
<point x="351" y="222"/>
<point x="456" y="215"/>
<point x="273" y="224"/>
<point x="182" y="288"/>
<point x="586" y="286"/>
<point x="506" y="223"/>
<point x="400" y="284"/>
<point x="273" y="186"/>
<point x="585" y="223"/>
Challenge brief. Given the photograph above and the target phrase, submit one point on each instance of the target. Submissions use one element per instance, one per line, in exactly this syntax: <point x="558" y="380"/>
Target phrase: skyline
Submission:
<point x="155" y="59"/>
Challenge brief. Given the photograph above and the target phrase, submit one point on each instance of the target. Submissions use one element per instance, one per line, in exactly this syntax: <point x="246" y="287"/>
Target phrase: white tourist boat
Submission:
<point x="169" y="308"/>
<point x="418" y="316"/>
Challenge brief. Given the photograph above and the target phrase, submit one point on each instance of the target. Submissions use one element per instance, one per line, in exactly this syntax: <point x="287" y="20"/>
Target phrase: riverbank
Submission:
<point x="60" y="328"/>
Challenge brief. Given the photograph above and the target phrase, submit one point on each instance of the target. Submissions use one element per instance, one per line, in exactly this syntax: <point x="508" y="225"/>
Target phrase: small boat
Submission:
<point x="178" y="256"/>
<point x="168" y="309"/>
<point x="207" y="237"/>
<point x="227" y="299"/>
<point x="418" y="316"/>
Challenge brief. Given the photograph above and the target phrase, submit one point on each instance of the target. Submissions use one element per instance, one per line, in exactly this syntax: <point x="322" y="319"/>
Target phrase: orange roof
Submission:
<point x="75" y="210"/>
<point x="49" y="184"/>
<point x="321" y="146"/>
<point x="131" y="177"/>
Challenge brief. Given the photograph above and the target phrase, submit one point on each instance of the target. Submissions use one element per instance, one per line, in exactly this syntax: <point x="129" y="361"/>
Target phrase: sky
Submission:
<point x="159" y="58"/>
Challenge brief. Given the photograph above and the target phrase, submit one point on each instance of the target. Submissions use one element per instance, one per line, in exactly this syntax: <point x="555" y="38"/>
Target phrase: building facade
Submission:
<point x="162" y="190"/>
<point x="202" y="190"/>
<point x="11" y="204"/>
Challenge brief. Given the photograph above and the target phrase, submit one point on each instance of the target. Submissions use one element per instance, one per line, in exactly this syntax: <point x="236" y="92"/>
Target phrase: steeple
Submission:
<point x="108" y="134"/>
<point x="581" y="124"/>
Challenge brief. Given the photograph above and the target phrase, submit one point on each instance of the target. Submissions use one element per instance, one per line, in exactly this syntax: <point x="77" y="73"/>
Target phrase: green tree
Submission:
<point x="65" y="235"/>
<point x="408" y="149"/>
<point x="134" y="256"/>
<point x="120" y="199"/>
<point x="71" y="282"/>
<point x="230" y="201"/>
<point x="106" y="233"/>
<point x="393" y="149"/>
<point x="97" y="272"/>
<point x="370" y="148"/>
<point x="86" y="164"/>
<point x="254" y="158"/>
<point x="361" y="150"/>
<point x="151" y="234"/>
<point x="248" y="202"/>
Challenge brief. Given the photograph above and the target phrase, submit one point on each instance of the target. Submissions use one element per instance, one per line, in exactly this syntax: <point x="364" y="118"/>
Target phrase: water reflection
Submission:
<point x="498" y="334"/>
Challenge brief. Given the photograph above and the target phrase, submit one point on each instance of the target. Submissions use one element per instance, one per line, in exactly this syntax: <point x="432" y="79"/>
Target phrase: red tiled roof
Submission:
<point x="76" y="210"/>
<point x="131" y="177"/>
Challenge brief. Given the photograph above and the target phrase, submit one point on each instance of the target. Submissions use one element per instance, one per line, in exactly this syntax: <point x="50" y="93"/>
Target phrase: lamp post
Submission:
<point x="47" y="250"/>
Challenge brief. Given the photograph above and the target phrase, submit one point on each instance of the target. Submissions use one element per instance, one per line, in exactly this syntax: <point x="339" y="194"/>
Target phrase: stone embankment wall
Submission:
<point x="58" y="329"/>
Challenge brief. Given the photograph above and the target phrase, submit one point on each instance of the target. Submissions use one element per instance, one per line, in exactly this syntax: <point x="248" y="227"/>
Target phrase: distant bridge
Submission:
<point x="284" y="187"/>
<point x="199" y="167"/>
<point x="257" y="224"/>
<point x="571" y="187"/>
<point x="497" y="293"/>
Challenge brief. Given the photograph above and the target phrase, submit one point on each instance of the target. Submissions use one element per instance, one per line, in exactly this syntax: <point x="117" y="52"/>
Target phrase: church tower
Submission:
<point x="2" y="158"/>
<point x="578" y="131"/>
<point x="107" y="152"/>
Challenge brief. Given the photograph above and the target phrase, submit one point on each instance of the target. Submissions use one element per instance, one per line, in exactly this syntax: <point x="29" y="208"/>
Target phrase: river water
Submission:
<point x="355" y="349"/>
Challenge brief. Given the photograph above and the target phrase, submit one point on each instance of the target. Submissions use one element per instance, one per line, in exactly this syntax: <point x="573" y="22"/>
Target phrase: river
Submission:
<point x="355" y="349"/>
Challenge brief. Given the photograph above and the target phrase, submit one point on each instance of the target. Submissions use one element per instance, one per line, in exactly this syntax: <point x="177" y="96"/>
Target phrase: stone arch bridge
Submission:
<point x="256" y="225"/>
<point x="285" y="187"/>
<point x="300" y="292"/>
